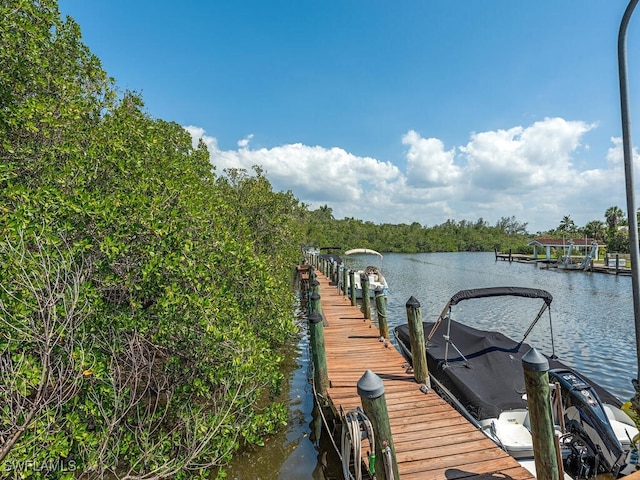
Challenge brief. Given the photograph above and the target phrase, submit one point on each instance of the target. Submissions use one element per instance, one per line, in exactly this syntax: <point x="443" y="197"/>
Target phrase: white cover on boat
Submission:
<point x="353" y="251"/>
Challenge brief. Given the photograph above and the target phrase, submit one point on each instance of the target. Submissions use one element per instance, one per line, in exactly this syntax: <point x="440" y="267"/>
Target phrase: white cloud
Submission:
<point x="245" y="141"/>
<point x="520" y="159"/>
<point x="526" y="171"/>
<point x="428" y="164"/>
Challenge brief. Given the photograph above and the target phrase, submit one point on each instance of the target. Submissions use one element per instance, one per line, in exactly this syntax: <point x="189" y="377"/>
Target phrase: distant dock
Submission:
<point x="513" y="257"/>
<point x="613" y="266"/>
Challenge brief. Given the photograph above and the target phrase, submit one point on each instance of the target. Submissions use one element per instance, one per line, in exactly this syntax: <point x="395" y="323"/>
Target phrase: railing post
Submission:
<point x="366" y="300"/>
<point x="536" y="380"/>
<point x="318" y="355"/>
<point x="416" y="337"/>
<point x="381" y="309"/>
<point x="374" y="404"/>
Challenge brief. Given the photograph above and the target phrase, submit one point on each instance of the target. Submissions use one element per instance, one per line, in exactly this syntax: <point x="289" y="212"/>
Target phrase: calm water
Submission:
<point x="592" y="313"/>
<point x="593" y="330"/>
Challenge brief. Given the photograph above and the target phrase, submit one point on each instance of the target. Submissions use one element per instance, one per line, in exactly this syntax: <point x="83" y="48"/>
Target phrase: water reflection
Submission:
<point x="294" y="453"/>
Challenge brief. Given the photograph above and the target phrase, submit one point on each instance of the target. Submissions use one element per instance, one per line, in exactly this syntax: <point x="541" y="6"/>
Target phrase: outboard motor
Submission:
<point x="594" y="446"/>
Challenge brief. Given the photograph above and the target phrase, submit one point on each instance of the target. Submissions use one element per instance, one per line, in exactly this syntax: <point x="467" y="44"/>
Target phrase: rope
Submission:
<point x="324" y="419"/>
<point x="355" y="428"/>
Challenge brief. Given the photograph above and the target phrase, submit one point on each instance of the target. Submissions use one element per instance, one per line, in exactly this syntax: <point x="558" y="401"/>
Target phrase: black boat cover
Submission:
<point x="501" y="291"/>
<point x="491" y="379"/>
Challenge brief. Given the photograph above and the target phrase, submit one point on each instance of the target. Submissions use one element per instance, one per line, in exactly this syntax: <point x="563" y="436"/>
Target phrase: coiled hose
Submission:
<point x="355" y="428"/>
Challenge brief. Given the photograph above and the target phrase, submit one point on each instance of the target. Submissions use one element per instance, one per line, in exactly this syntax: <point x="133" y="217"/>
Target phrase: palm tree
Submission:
<point x="567" y="225"/>
<point x="613" y="215"/>
<point x="595" y="229"/>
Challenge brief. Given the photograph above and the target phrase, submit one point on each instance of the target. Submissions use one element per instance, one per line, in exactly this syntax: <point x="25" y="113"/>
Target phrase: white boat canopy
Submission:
<point x="354" y="251"/>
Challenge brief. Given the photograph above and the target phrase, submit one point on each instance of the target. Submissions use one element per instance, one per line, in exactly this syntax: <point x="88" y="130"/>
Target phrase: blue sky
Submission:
<point x="399" y="112"/>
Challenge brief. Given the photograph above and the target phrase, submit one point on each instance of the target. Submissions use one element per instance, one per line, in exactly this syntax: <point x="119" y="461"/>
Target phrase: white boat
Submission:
<point x="480" y="373"/>
<point x="372" y="272"/>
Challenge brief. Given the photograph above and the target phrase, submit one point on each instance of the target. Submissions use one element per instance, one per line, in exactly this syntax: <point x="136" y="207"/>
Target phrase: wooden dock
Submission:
<point x="513" y="257"/>
<point x="432" y="440"/>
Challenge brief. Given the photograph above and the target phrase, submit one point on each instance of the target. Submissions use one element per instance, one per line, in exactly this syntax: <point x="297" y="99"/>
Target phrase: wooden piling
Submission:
<point x="312" y="272"/>
<point x="366" y="300"/>
<point x="345" y="280"/>
<point x="352" y="287"/>
<point x="536" y="379"/>
<point x="371" y="390"/>
<point x="318" y="355"/>
<point x="416" y="337"/>
<point x="381" y="310"/>
<point x="315" y="305"/>
<point x="315" y="285"/>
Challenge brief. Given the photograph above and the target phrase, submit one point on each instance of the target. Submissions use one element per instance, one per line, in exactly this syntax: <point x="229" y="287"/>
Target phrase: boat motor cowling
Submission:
<point x="586" y="419"/>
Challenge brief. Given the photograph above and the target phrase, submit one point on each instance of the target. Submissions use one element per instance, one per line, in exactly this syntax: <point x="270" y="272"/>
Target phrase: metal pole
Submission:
<point x="628" y="171"/>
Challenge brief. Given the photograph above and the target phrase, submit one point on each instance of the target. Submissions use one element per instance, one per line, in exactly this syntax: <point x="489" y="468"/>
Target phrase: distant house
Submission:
<point x="548" y="243"/>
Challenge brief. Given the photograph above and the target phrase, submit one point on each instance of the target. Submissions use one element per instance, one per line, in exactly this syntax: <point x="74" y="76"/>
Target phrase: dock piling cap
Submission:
<point x="534" y="361"/>
<point x="413" y="302"/>
<point x="370" y="385"/>
<point x="315" y="317"/>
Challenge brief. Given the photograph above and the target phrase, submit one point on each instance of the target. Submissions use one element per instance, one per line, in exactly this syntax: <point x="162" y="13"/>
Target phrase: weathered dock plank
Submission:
<point x="432" y="440"/>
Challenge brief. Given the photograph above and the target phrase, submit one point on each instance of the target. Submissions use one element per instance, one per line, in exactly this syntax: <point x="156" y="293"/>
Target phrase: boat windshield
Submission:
<point x="479" y="293"/>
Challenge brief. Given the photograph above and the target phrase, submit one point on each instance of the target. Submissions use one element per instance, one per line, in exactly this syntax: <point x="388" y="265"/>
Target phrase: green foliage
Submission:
<point x="618" y="241"/>
<point x="143" y="299"/>
<point x="453" y="236"/>
<point x="450" y="236"/>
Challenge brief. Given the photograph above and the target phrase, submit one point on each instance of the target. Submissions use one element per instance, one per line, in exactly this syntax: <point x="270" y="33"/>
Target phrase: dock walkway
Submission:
<point x="432" y="440"/>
